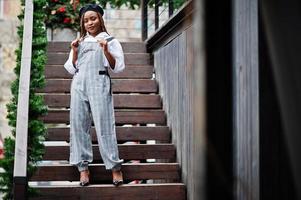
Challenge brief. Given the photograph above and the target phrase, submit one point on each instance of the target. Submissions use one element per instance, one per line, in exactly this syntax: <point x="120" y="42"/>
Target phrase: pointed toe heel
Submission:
<point x="85" y="181"/>
<point x="117" y="182"/>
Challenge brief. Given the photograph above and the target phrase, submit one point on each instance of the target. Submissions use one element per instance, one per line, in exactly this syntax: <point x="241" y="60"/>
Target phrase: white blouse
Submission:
<point x="114" y="48"/>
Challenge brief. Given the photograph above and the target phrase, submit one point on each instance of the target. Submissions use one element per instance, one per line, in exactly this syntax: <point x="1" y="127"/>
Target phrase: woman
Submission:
<point x="90" y="57"/>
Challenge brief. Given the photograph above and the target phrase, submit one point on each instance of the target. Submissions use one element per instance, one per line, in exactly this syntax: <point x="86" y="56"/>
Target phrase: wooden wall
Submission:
<point x="173" y="64"/>
<point x="245" y="99"/>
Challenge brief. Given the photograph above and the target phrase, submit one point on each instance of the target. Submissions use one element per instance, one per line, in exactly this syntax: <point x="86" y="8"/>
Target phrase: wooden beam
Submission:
<point x="20" y="162"/>
<point x="245" y="99"/>
<point x="196" y="75"/>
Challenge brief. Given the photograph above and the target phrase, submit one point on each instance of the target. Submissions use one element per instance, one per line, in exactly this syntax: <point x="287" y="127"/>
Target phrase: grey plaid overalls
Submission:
<point x="91" y="98"/>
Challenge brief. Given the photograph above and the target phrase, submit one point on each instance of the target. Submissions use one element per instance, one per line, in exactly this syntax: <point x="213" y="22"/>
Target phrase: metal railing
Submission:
<point x="161" y="10"/>
<point x="20" y="162"/>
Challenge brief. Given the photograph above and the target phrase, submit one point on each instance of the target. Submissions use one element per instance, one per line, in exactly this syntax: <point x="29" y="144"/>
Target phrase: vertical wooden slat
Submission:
<point x="183" y="115"/>
<point x="196" y="81"/>
<point x="174" y="95"/>
<point x="245" y="102"/>
<point x="20" y="163"/>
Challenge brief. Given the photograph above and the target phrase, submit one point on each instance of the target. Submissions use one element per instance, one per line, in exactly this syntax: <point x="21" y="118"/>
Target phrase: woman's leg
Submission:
<point x="104" y="120"/>
<point x="80" y="138"/>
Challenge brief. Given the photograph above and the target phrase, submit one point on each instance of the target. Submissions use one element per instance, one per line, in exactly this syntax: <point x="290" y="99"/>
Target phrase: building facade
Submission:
<point x="9" y="11"/>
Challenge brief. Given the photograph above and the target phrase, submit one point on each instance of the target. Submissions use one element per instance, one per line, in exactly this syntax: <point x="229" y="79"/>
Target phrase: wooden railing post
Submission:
<point x="20" y="162"/>
<point x="143" y="4"/>
<point x="246" y="99"/>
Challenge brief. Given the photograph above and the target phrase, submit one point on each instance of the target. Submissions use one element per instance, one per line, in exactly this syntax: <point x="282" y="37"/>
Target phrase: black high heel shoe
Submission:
<point x="118" y="182"/>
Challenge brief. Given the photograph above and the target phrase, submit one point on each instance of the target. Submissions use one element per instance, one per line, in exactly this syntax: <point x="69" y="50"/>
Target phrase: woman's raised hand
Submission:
<point x="74" y="44"/>
<point x="104" y="44"/>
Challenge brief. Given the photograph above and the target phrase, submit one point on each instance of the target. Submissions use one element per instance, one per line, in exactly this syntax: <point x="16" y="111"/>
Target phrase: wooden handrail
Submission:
<point x="20" y="162"/>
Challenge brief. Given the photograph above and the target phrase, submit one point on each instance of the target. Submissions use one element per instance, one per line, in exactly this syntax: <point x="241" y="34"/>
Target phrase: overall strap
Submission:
<point x="106" y="72"/>
<point x="110" y="38"/>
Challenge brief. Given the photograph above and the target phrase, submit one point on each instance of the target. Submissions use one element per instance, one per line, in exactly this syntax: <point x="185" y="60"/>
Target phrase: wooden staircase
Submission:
<point x="139" y="118"/>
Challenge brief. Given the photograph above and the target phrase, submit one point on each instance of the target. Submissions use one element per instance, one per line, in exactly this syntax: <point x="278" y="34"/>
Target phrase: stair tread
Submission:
<point x="134" y="47"/>
<point x="164" y="191"/>
<point x="109" y="185"/>
<point x="132" y="171"/>
<point x="130" y="72"/>
<point x="93" y="165"/>
<point x="120" y="100"/>
<point x="126" y="151"/>
<point x="118" y="86"/>
<point x="121" y="116"/>
<point x="142" y="133"/>
<point x="59" y="58"/>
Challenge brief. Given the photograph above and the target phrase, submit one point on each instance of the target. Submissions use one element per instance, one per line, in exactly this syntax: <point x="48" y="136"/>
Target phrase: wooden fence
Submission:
<point x="181" y="86"/>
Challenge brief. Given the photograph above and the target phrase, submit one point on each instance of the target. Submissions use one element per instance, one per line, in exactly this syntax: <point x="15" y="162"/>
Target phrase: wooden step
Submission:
<point x="170" y="191"/>
<point x="142" y="133"/>
<point x="130" y="72"/>
<point x="128" y="47"/>
<point x="133" y="171"/>
<point x="118" y="86"/>
<point x="120" y="100"/>
<point x="126" y="151"/>
<point x="121" y="117"/>
<point x="54" y="58"/>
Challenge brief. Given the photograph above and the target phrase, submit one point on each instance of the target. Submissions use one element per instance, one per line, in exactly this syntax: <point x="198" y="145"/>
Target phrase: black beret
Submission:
<point x="91" y="7"/>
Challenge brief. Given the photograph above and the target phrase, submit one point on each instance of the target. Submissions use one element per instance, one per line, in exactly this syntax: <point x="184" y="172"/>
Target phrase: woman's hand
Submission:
<point x="104" y="44"/>
<point x="74" y="45"/>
